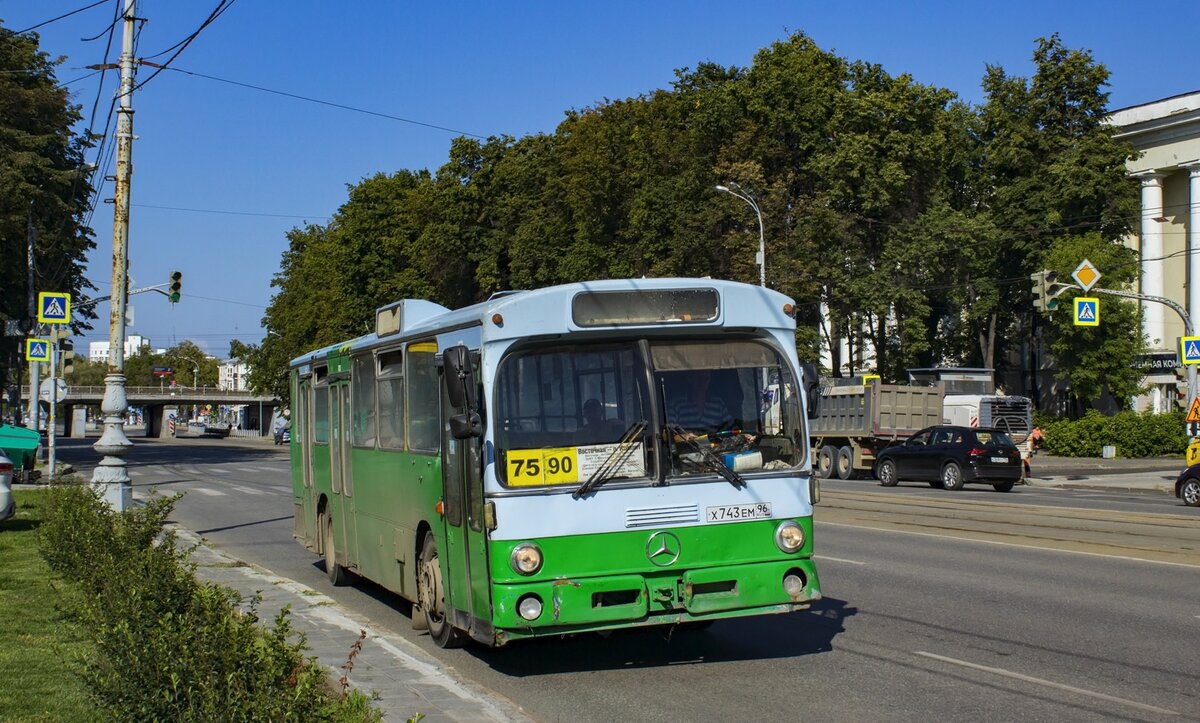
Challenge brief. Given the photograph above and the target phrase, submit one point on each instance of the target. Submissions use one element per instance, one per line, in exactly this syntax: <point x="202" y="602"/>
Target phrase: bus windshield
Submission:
<point x="563" y="413"/>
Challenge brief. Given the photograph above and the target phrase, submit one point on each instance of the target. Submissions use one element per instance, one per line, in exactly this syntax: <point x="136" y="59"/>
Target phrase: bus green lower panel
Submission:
<point x="714" y="589"/>
<point x="580" y="603"/>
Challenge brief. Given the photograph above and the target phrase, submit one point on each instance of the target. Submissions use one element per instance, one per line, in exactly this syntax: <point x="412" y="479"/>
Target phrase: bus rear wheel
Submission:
<point x="432" y="599"/>
<point x="337" y="574"/>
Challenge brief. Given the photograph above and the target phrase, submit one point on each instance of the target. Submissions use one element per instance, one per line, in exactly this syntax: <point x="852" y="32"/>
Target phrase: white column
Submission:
<point x="1193" y="277"/>
<point x="1152" y="261"/>
<point x="1193" y="244"/>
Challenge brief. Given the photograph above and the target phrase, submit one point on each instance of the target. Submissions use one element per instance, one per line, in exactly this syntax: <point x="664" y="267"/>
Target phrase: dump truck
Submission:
<point x="972" y="400"/>
<point x="856" y="421"/>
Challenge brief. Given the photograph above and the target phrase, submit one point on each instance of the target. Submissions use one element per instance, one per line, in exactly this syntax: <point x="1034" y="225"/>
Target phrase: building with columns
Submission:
<point x="1167" y="134"/>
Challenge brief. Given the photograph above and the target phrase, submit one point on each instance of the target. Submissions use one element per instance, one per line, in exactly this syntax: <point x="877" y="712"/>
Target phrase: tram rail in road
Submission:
<point x="1147" y="536"/>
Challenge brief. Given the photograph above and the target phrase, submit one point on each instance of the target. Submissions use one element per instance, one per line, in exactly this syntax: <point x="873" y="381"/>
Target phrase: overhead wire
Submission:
<point x="182" y="45"/>
<point x="54" y="20"/>
<point x="331" y="104"/>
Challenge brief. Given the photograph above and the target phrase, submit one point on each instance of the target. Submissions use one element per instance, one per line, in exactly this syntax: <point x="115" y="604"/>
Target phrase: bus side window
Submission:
<point x="362" y="406"/>
<point x="321" y="413"/>
<point x="390" y="390"/>
<point x="424" y="394"/>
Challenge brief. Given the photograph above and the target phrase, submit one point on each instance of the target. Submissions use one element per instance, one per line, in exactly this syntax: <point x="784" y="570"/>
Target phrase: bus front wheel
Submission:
<point x="338" y="575"/>
<point x="432" y="599"/>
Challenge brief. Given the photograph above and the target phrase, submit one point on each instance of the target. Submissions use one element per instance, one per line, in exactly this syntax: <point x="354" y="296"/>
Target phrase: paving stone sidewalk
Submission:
<point x="406" y="680"/>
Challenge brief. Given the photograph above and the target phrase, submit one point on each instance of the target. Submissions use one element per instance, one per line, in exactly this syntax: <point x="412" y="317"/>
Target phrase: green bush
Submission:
<point x="170" y="647"/>
<point x="1133" y="434"/>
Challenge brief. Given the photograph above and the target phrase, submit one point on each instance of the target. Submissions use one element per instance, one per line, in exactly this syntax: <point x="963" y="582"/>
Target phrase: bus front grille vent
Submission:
<point x="661" y="516"/>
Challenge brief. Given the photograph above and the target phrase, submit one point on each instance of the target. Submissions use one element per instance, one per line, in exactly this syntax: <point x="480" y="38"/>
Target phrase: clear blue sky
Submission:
<point x="481" y="68"/>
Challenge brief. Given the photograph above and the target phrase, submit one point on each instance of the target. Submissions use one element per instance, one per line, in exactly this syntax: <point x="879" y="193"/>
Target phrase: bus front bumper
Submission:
<point x="568" y="605"/>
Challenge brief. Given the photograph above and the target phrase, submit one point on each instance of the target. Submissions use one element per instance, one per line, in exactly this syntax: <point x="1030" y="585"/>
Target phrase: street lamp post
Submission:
<point x="111" y="475"/>
<point x="733" y="189"/>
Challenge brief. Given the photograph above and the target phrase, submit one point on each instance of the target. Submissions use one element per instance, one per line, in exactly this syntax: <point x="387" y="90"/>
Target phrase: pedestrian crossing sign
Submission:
<point x="37" y="350"/>
<point x="1087" y="311"/>
<point x="1189" y="349"/>
<point x="54" y="307"/>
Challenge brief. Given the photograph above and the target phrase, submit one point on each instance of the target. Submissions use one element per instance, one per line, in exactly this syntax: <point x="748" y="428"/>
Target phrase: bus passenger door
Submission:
<point x="302" y="442"/>
<point x="469" y="589"/>
<point x="339" y="463"/>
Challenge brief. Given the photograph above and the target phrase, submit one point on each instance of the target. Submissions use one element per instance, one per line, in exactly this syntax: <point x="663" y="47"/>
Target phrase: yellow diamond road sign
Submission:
<point x="1086" y="275"/>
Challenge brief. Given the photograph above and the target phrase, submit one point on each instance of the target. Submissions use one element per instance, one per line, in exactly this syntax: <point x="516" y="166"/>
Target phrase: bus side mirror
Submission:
<point x="812" y="388"/>
<point x="460" y="389"/>
<point x="460" y="378"/>
<point x="465" y="426"/>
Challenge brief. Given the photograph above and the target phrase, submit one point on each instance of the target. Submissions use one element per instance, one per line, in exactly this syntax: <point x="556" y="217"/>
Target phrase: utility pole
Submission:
<point x="35" y="368"/>
<point x="111" y="474"/>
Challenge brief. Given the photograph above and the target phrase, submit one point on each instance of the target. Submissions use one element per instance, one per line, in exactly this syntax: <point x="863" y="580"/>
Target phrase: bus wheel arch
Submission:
<point x="322" y="507"/>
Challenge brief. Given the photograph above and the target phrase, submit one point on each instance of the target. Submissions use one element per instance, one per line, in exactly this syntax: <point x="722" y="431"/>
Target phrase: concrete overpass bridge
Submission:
<point x="161" y="402"/>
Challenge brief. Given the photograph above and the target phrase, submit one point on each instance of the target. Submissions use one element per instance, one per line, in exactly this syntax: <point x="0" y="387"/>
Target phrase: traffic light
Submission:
<point x="175" y="288"/>
<point x="67" y="358"/>
<point x="1046" y="290"/>
<point x="1039" y="290"/>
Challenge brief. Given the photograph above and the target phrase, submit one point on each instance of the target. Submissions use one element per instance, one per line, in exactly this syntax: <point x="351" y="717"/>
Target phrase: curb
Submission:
<point x="401" y="678"/>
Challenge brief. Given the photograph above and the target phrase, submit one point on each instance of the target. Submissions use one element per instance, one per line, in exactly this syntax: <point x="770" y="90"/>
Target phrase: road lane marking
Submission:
<point x="207" y="491"/>
<point x="849" y="562"/>
<point x="248" y="490"/>
<point x="1047" y="683"/>
<point x="1011" y="544"/>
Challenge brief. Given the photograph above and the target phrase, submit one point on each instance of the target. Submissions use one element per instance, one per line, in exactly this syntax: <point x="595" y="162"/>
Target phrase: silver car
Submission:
<point x="7" y="508"/>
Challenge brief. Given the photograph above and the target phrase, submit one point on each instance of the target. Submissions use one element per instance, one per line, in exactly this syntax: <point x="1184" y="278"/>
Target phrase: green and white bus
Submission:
<point x="584" y="457"/>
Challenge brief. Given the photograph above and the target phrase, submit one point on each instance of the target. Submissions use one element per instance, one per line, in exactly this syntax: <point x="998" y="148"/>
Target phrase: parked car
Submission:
<point x="948" y="457"/>
<point x="7" y="508"/>
<point x="1187" y="487"/>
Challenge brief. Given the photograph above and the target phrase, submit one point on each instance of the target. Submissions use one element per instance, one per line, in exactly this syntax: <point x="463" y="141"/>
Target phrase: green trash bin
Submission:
<point x="21" y="446"/>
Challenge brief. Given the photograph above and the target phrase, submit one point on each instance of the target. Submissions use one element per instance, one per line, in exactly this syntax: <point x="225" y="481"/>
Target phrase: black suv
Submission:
<point x="948" y="457"/>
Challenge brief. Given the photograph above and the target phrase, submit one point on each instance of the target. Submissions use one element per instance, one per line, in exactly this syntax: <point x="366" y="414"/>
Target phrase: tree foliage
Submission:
<point x="42" y="186"/>
<point x="913" y="218"/>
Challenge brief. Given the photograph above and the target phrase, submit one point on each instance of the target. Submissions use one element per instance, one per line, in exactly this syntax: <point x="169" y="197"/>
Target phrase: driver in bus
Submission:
<point x="700" y="409"/>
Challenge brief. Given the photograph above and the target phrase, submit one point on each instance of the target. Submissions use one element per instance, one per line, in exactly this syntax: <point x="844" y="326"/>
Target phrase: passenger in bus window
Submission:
<point x="593" y="414"/>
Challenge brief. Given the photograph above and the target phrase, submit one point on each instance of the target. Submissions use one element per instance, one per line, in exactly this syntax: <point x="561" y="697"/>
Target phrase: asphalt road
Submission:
<point x="1041" y="604"/>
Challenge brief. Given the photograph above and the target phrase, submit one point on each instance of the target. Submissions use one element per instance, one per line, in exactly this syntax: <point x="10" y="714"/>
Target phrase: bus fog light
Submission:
<point x="789" y="536"/>
<point x="526" y="558"/>
<point x="530" y="607"/>
<point x="793" y="583"/>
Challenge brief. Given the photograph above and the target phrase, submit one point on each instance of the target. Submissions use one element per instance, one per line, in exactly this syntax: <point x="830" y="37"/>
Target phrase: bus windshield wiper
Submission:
<point x="711" y="461"/>
<point x="615" y="459"/>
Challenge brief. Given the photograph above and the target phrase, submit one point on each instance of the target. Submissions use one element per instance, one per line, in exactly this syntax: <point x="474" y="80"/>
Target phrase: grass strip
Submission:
<point x="40" y="647"/>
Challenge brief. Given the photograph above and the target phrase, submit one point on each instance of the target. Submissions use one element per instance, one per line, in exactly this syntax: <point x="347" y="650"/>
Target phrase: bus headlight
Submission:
<point x="526" y="558"/>
<point x="530" y="607"/>
<point x="789" y="536"/>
